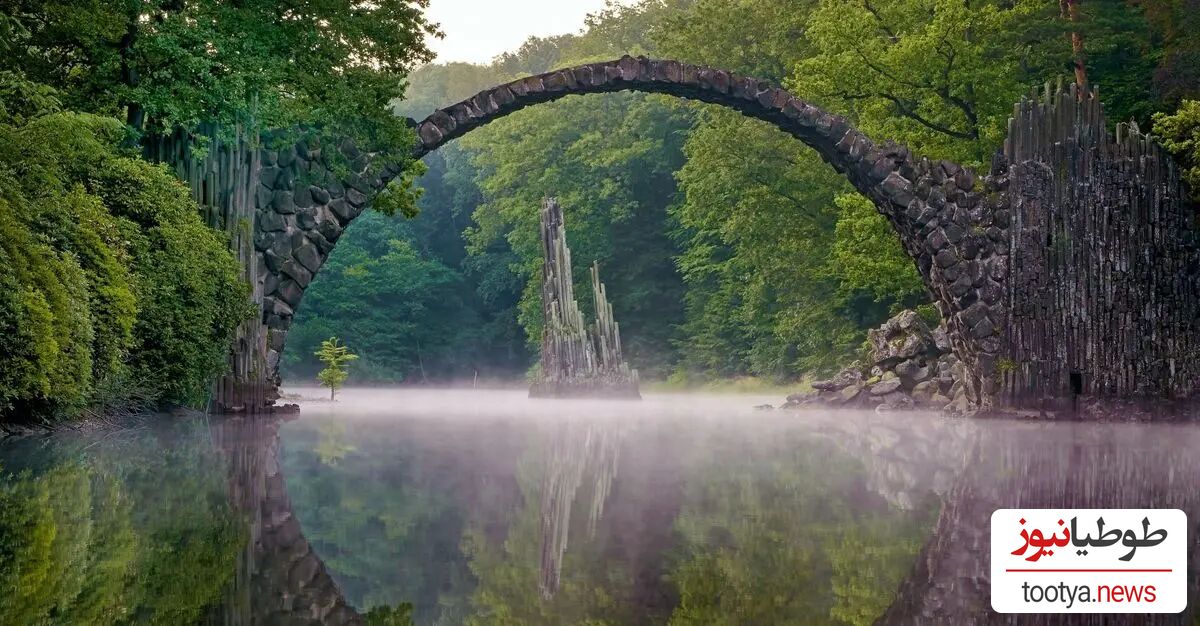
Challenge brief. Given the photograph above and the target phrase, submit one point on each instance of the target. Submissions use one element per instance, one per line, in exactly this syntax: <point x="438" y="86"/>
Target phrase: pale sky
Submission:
<point x="478" y="30"/>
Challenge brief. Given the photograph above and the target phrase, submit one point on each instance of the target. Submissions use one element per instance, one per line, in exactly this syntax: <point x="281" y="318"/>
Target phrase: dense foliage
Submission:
<point x="161" y="64"/>
<point x="335" y="357"/>
<point x="128" y="533"/>
<point x="1180" y="133"/>
<point x="729" y="248"/>
<point x="115" y="293"/>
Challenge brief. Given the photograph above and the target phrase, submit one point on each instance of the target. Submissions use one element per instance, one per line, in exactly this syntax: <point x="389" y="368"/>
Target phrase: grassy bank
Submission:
<point x="742" y="384"/>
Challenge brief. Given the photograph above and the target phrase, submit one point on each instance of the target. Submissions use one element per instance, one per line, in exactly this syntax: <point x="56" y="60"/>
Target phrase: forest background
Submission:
<point x="730" y="250"/>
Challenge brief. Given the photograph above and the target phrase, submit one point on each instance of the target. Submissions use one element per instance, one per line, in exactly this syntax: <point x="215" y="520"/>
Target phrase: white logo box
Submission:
<point x="1135" y="562"/>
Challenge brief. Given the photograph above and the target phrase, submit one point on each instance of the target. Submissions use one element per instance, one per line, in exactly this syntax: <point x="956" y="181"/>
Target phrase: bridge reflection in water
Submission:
<point x="665" y="518"/>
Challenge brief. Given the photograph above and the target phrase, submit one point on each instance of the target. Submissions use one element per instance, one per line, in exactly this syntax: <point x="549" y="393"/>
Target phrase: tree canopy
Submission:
<point x="115" y="295"/>
<point x="162" y="64"/>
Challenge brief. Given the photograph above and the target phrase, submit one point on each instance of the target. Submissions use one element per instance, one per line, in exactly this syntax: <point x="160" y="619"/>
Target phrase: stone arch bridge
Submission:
<point x="1069" y="269"/>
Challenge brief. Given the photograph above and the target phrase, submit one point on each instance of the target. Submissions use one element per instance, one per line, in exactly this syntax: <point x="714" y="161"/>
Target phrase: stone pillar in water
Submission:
<point x="576" y="360"/>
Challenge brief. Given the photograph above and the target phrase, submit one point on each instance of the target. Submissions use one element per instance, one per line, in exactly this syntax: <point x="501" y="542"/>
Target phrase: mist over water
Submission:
<point x="487" y="507"/>
<point x="459" y="403"/>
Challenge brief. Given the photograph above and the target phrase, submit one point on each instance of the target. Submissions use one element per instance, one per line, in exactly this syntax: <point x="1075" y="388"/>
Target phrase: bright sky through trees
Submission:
<point x="478" y="30"/>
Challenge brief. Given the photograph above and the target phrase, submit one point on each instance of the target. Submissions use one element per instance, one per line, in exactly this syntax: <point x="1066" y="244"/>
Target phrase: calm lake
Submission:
<point x="485" y="507"/>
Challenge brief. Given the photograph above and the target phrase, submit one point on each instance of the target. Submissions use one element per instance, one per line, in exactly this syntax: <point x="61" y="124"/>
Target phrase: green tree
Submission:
<point x="938" y="75"/>
<point x="409" y="315"/>
<point x="400" y="615"/>
<point x="116" y="294"/>
<point x="1180" y="133"/>
<point x="335" y="357"/>
<point x="762" y="542"/>
<point x="866" y="257"/>
<point x="160" y="64"/>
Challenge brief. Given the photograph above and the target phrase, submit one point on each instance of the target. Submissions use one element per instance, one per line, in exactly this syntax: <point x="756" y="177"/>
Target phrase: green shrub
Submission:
<point x="45" y="329"/>
<point x="110" y="279"/>
<point x="1180" y="134"/>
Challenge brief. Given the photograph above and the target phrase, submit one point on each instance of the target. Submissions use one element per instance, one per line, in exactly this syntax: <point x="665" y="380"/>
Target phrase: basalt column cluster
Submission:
<point x="1104" y="294"/>
<point x="576" y="360"/>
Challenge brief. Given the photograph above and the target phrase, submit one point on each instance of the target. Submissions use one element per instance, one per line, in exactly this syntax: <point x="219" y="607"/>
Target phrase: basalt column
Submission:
<point x="223" y="180"/>
<point x="576" y="360"/>
<point x="1104" y="291"/>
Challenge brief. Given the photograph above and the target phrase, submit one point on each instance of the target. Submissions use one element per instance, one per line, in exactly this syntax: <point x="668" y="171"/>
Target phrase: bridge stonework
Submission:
<point x="1069" y="269"/>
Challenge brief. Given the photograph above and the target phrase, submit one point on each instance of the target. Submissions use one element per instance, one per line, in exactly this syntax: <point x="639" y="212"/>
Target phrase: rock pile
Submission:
<point x="911" y="367"/>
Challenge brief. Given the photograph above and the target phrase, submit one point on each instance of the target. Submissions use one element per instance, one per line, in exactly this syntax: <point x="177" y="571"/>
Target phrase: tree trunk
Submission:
<point x="1070" y="12"/>
<point x="135" y="115"/>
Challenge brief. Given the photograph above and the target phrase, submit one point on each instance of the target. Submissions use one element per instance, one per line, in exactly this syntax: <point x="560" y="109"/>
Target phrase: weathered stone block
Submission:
<point x="985" y="328"/>
<point x="285" y="181"/>
<point x="965" y="179"/>
<point x="937" y="240"/>
<point x="262" y="238"/>
<point x="954" y="233"/>
<point x="296" y="272"/>
<point x="302" y="197"/>
<point x="290" y="292"/>
<point x="262" y="197"/>
<point x="308" y="257"/>
<point x="328" y="225"/>
<point x="961" y="285"/>
<point x="997" y="268"/>
<point x="270" y="281"/>
<point x="270" y="221"/>
<point x="430" y="135"/>
<point x="898" y="189"/>
<point x="343" y="210"/>
<point x="970" y="248"/>
<point x="324" y="246"/>
<point x="880" y="168"/>
<point x="287" y="156"/>
<point x="276" y="306"/>
<point x="272" y="260"/>
<point x="281" y="243"/>
<point x="306" y="219"/>
<point x="267" y="176"/>
<point x="946" y="257"/>
<point x="295" y="239"/>
<point x="973" y="315"/>
<point x="276" y="340"/>
<point x="884" y="387"/>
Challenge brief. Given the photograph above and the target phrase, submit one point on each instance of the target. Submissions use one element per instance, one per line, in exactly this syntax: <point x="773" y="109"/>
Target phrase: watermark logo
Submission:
<point x="1089" y="561"/>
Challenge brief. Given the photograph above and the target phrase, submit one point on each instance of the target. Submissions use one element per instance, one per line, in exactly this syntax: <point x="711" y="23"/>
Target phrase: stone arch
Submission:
<point x="938" y="209"/>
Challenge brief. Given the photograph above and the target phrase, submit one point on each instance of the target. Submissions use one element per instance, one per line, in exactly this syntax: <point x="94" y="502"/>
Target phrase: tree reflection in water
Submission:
<point x="593" y="519"/>
<point x="117" y="527"/>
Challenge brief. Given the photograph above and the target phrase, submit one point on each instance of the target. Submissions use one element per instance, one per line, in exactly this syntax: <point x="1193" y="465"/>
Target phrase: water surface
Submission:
<point x="485" y="507"/>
